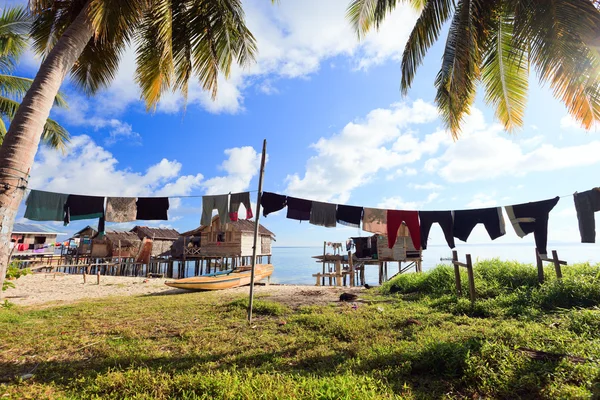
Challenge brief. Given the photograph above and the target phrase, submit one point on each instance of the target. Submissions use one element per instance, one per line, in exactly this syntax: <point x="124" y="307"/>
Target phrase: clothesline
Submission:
<point x="200" y="195"/>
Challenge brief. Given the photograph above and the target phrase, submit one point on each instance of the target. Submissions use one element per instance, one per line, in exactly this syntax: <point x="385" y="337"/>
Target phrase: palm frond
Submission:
<point x="15" y="23"/>
<point x="98" y="64"/>
<point x="425" y="32"/>
<point x="505" y="72"/>
<point x="182" y="47"/>
<point x="55" y="136"/>
<point x="456" y="79"/>
<point x="556" y="30"/>
<point x="154" y="53"/>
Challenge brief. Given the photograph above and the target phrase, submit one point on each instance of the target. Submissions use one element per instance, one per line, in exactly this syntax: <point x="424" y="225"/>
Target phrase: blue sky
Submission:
<point x="337" y="127"/>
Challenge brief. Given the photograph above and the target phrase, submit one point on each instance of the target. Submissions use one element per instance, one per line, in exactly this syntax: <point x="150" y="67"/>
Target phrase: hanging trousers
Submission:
<point x="234" y="205"/>
<point x="411" y="219"/>
<point x="466" y="220"/>
<point x="586" y="204"/>
<point x="444" y="219"/>
<point x="532" y="217"/>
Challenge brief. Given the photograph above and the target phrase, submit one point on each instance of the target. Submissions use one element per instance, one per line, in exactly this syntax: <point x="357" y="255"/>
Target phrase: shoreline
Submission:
<point x="58" y="289"/>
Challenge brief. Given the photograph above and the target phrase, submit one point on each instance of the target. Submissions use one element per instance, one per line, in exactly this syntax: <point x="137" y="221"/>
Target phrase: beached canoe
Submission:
<point x="224" y="279"/>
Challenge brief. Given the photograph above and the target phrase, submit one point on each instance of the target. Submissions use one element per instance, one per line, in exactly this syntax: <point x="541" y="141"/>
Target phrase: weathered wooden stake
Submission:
<point x="98" y="276"/>
<point x="351" y="268"/>
<point x="540" y="267"/>
<point x="84" y="277"/>
<point x="456" y="273"/>
<point x="556" y="264"/>
<point x="472" y="292"/>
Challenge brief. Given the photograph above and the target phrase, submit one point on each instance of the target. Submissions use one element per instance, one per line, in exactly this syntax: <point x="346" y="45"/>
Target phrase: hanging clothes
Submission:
<point x="298" y="209"/>
<point x="234" y="205"/>
<point x="411" y="219"/>
<point x="375" y="221"/>
<point x="349" y="215"/>
<point x="362" y="251"/>
<point x="219" y="202"/>
<point x="586" y="204"/>
<point x="491" y="218"/>
<point x="323" y="214"/>
<point x="272" y="202"/>
<point x="45" y="206"/>
<point x="532" y="217"/>
<point x="83" y="207"/>
<point x="444" y="219"/>
<point x="121" y="209"/>
<point x="152" y="208"/>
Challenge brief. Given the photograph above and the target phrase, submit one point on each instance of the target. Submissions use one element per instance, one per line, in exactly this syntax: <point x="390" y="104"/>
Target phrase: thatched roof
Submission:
<point x="127" y="238"/>
<point x="155" y="233"/>
<point x="241" y="225"/>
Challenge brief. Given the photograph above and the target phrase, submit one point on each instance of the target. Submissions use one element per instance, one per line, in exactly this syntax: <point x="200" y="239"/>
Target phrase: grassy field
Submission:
<point x="412" y="338"/>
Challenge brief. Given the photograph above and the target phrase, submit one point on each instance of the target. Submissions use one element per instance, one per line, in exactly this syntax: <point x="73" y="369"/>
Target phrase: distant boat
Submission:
<point x="224" y="279"/>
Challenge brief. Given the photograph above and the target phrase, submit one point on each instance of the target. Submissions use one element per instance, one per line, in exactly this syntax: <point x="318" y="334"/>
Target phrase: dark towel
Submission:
<point x="45" y="206"/>
<point x="298" y="209"/>
<point x="83" y="207"/>
<point x="586" y="204"/>
<point x="349" y="215"/>
<point x="152" y="208"/>
<point x="272" y="202"/>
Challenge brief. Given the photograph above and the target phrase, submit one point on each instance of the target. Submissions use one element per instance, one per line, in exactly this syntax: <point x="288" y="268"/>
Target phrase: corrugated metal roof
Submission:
<point x="241" y="225"/>
<point x="156" y="233"/>
<point x="34" y="228"/>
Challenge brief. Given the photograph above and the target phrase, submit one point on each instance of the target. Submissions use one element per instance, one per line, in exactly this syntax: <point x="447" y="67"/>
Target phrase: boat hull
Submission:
<point x="223" y="281"/>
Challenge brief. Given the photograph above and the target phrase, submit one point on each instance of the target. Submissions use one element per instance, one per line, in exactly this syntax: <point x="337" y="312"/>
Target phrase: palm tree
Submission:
<point x="494" y="43"/>
<point x="15" y="24"/>
<point x="174" y="39"/>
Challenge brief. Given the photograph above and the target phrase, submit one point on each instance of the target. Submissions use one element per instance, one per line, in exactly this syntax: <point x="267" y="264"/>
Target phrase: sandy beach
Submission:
<point x="55" y="289"/>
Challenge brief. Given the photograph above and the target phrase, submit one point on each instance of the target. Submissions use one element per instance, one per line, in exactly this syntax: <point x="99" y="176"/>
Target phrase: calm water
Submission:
<point x="296" y="265"/>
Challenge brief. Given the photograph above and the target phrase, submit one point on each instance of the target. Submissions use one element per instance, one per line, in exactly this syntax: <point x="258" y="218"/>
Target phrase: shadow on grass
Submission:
<point x="428" y="372"/>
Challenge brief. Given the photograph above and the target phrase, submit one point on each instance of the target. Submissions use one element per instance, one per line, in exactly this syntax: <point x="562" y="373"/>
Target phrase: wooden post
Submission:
<point x="456" y="273"/>
<point x="471" y="278"/>
<point x="98" y="276"/>
<point x="540" y="267"/>
<point x="338" y="273"/>
<point x="380" y="272"/>
<point x="184" y="247"/>
<point x="556" y="264"/>
<point x="84" y="277"/>
<point x="254" y="249"/>
<point x="324" y="251"/>
<point x="351" y="268"/>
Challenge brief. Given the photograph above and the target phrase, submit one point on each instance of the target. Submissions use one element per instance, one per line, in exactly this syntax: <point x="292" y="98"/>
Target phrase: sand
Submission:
<point x="54" y="289"/>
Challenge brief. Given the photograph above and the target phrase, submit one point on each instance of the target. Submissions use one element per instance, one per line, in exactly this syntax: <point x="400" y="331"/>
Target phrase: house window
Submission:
<point x="39" y="240"/>
<point x="221" y="237"/>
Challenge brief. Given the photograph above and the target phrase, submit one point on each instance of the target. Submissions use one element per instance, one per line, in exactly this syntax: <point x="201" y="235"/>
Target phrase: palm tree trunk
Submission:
<point x="23" y="137"/>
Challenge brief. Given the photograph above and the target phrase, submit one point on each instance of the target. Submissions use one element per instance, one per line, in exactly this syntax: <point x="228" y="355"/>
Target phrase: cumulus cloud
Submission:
<point x="241" y="165"/>
<point x="349" y="158"/>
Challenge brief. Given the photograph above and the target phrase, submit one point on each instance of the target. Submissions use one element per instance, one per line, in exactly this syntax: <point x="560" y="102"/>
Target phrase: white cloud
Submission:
<point x="483" y="200"/>
<point x="241" y="165"/>
<point x="398" y="203"/>
<point x="569" y="123"/>
<point x="348" y="159"/>
<point x="425" y="186"/>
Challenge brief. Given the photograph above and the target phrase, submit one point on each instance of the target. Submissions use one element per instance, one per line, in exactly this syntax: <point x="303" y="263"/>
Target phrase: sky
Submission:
<point x="337" y="129"/>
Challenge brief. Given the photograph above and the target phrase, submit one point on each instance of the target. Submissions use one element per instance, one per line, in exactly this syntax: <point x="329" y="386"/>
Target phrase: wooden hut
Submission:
<point x="83" y="238"/>
<point x="233" y="240"/>
<point x="33" y="239"/>
<point x="116" y="244"/>
<point x="162" y="239"/>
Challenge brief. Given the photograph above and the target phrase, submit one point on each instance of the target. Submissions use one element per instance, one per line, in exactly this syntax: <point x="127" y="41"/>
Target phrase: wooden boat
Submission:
<point x="223" y="280"/>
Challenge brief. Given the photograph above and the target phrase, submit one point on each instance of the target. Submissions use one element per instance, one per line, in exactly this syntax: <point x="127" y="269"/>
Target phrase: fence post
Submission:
<point x="540" y="267"/>
<point x="471" y="278"/>
<point x="456" y="272"/>
<point x="556" y="264"/>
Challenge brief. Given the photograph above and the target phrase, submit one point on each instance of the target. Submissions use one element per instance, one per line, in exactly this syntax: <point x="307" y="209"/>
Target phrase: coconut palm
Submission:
<point x="494" y="43"/>
<point x="15" y="24"/>
<point x="173" y="39"/>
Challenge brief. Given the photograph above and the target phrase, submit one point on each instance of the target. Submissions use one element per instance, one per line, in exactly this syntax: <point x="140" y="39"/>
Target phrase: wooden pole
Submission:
<point x="540" y="267"/>
<point x="258" y="197"/>
<point x="98" y="276"/>
<point x="324" y="251"/>
<point x="471" y="278"/>
<point x="84" y="277"/>
<point x="351" y="268"/>
<point x="456" y="273"/>
<point x="556" y="264"/>
<point x="184" y="240"/>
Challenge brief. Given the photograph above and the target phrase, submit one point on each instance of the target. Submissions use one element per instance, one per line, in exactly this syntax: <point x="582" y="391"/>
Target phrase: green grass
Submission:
<point x="414" y="338"/>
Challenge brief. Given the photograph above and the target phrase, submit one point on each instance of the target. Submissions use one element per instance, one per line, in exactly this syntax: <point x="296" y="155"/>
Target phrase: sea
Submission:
<point x="295" y="265"/>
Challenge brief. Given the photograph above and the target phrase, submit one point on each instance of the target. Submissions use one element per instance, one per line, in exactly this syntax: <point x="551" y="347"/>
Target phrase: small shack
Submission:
<point x="120" y="244"/>
<point x="33" y="239"/>
<point x="162" y="239"/>
<point x="231" y="240"/>
<point x="83" y="238"/>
